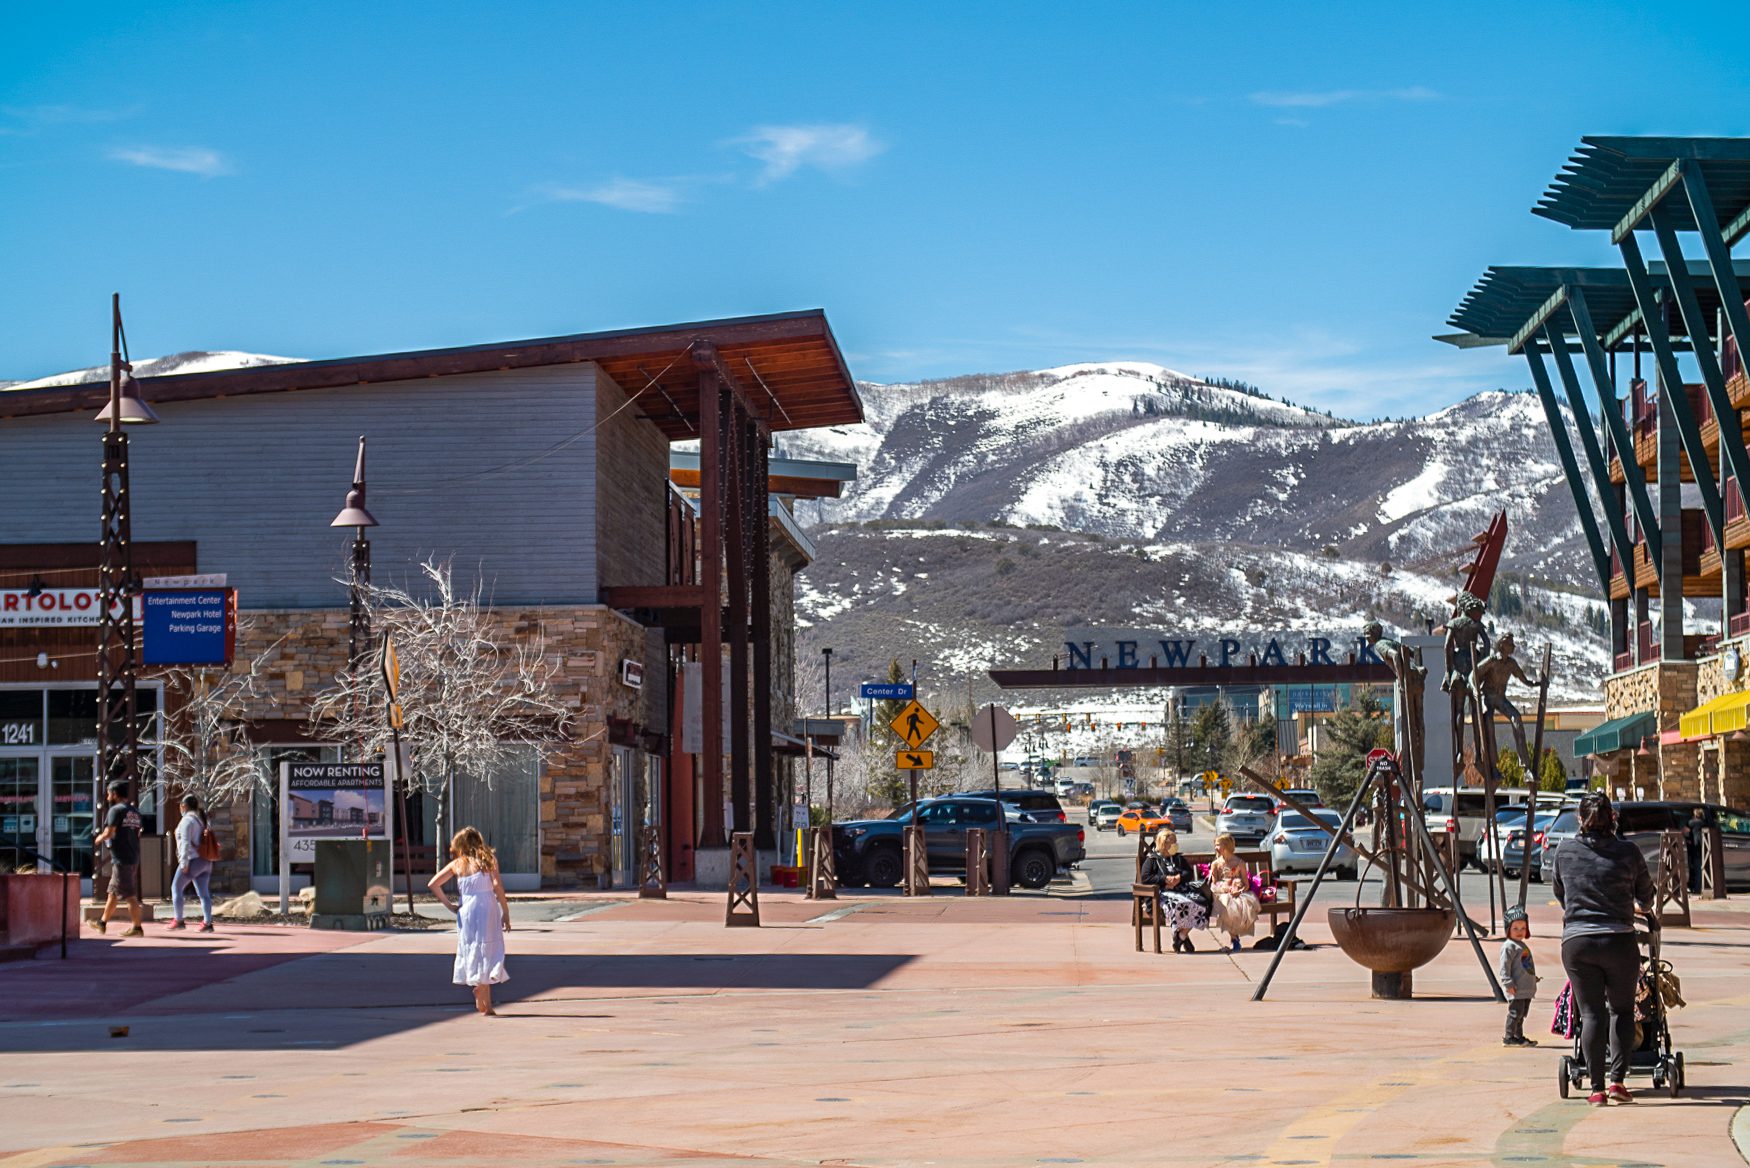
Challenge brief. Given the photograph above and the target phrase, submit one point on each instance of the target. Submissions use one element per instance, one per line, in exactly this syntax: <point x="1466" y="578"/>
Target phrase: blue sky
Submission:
<point x="1292" y="194"/>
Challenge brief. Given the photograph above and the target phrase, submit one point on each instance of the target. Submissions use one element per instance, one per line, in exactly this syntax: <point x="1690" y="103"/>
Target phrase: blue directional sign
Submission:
<point x="887" y="691"/>
<point x="193" y="626"/>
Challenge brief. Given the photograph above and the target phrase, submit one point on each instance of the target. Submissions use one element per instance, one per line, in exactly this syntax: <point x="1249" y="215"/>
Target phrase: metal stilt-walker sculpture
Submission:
<point x="1420" y="898"/>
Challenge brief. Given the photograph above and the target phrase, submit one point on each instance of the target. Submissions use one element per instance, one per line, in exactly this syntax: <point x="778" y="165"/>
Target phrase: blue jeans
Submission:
<point x="200" y="874"/>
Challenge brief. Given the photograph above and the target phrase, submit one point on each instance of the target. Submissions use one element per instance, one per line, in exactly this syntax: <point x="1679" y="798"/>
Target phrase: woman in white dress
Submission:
<point x="482" y="916"/>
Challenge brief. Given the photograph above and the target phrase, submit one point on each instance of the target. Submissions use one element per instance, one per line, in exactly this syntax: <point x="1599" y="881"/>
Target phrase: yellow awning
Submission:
<point x="1726" y="713"/>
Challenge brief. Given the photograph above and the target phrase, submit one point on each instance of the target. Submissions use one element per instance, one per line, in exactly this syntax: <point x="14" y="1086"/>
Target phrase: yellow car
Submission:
<point x="1142" y="820"/>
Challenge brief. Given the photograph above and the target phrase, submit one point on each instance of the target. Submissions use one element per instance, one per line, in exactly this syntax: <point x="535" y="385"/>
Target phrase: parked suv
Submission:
<point x="868" y="851"/>
<point x="1641" y="823"/>
<point x="1248" y="818"/>
<point x="1459" y="812"/>
<point x="1040" y="805"/>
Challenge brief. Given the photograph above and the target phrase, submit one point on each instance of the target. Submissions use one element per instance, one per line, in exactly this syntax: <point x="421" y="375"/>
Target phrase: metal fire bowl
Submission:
<point x="1392" y="940"/>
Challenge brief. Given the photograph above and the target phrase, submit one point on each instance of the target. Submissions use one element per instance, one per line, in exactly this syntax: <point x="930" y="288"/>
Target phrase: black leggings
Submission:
<point x="1602" y="968"/>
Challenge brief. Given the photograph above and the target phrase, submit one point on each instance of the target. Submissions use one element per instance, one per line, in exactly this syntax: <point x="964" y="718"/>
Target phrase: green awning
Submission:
<point x="1617" y="734"/>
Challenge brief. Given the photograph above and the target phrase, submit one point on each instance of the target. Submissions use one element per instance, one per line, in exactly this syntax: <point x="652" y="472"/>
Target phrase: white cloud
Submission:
<point x="786" y="149"/>
<point x="1321" y="99"/>
<point x="622" y="194"/>
<point x="185" y="159"/>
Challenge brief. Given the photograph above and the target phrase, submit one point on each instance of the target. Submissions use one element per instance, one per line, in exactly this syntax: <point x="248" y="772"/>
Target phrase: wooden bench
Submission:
<point x="1280" y="910"/>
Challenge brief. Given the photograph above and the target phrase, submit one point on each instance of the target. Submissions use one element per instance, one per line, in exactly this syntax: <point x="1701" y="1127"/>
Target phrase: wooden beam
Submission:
<point x="735" y="447"/>
<point x="690" y="596"/>
<point x="711" y="427"/>
<point x="764" y="792"/>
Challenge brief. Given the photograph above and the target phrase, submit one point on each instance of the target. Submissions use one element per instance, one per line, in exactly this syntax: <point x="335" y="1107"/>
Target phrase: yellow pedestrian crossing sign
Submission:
<point x="914" y="724"/>
<point x="916" y="760"/>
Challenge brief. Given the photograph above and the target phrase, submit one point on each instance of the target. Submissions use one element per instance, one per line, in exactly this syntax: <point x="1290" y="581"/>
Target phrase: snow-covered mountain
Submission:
<point x="990" y="512"/>
<point x="197" y="362"/>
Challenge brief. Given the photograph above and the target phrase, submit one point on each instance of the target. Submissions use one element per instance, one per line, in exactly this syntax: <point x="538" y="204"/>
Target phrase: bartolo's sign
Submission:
<point x="46" y="608"/>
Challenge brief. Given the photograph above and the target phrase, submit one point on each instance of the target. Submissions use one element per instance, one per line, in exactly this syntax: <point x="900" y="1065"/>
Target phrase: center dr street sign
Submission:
<point x="886" y="691"/>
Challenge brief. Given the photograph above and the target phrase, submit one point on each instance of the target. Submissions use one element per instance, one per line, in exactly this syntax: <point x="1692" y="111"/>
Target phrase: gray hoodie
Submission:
<point x="1518" y="969"/>
<point x="1598" y="879"/>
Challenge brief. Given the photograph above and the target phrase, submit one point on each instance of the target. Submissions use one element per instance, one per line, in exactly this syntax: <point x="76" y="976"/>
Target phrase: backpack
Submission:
<point x="208" y="847"/>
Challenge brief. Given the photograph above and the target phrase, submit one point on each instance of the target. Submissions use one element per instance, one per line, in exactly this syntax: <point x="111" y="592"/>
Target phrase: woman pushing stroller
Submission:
<point x="1599" y="879"/>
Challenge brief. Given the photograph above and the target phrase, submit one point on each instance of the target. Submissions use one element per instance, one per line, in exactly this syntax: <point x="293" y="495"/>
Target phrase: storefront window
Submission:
<point x="508" y="812"/>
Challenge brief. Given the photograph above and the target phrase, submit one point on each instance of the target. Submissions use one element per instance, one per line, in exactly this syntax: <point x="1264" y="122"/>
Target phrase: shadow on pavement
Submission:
<point x="332" y="1000"/>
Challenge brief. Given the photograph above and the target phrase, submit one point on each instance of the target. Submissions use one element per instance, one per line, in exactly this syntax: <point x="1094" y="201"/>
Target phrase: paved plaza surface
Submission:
<point x="866" y="1031"/>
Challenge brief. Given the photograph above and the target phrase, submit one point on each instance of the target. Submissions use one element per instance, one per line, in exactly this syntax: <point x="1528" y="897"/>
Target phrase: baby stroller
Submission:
<point x="1657" y="991"/>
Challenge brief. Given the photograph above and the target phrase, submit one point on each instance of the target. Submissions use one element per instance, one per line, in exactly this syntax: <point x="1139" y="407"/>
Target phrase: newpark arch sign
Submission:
<point x="1115" y="658"/>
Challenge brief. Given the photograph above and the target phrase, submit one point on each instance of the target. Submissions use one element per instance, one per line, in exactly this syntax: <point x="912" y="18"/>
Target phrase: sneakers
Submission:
<point x="1620" y="1094"/>
<point x="136" y="931"/>
<point x="100" y="925"/>
<point x="206" y="927"/>
<point x="1597" y="1099"/>
<point x="1236" y="948"/>
<point x="1519" y="1040"/>
<point x="173" y="926"/>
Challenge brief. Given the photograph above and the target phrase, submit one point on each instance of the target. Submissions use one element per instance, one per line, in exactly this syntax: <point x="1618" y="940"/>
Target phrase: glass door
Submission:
<point x="72" y="811"/>
<point x="20" y="811"/>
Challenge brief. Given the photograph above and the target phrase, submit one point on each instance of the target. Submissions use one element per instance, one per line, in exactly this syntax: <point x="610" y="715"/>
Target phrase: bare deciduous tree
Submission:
<point x="470" y="702"/>
<point x="206" y="744"/>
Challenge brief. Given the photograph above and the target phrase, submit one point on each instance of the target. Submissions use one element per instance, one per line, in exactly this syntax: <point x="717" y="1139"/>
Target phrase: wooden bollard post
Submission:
<point x="977" y="863"/>
<point x="652" y="884"/>
<point x="744" y="883"/>
<point x="823" y="873"/>
<point x="917" y="862"/>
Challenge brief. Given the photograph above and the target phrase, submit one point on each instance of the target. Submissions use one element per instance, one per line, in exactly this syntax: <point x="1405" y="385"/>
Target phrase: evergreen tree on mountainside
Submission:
<point x="1350" y="735"/>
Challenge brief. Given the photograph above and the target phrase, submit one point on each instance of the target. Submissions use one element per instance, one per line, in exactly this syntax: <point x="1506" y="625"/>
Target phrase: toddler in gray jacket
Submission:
<point x="1518" y="977"/>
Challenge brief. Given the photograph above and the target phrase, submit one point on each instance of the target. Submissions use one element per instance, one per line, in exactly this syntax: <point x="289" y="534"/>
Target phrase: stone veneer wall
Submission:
<point x="586" y="642"/>
<point x="1668" y="689"/>
<point x="1725" y="768"/>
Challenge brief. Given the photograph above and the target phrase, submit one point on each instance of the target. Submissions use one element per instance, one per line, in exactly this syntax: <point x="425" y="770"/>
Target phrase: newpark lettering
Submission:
<point x="1118" y="658"/>
<point x="1138" y="650"/>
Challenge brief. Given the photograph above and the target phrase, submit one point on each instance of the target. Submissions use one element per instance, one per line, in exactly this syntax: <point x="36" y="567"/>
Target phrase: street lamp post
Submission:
<point x="355" y="516"/>
<point x="118" y="732"/>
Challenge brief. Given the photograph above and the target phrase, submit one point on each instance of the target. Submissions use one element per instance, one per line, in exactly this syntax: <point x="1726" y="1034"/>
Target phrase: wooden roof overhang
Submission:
<point x="799" y="478"/>
<point x="787" y="368"/>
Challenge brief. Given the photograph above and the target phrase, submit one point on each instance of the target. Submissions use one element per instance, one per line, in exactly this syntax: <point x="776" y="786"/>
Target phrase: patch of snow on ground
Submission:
<point x="1415" y="495"/>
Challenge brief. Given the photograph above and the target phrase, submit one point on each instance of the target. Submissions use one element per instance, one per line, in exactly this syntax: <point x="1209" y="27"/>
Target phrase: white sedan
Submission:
<point x="1297" y="844"/>
<point x="1106" y="816"/>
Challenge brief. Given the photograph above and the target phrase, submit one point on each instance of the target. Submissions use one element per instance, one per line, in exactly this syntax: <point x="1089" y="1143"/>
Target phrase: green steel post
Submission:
<point x="1605" y="386"/>
<point x="1613" y="515"/>
<point x="1570" y="468"/>
<point x="1719" y="258"/>
<point x="1699" y="328"/>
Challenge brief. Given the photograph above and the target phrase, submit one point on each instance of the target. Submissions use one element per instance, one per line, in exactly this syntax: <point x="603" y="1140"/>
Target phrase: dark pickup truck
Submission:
<point x="869" y="851"/>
